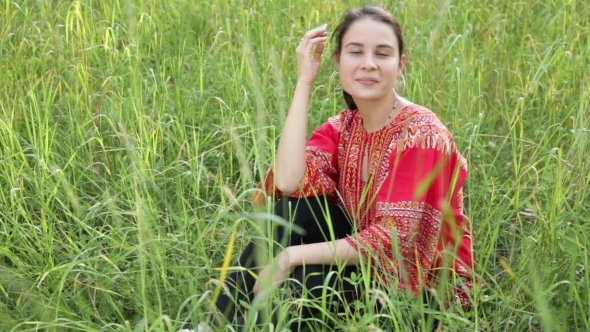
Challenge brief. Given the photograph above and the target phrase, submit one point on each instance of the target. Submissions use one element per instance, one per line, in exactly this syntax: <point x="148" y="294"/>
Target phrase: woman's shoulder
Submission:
<point x="419" y="114"/>
<point x="341" y="120"/>
<point x="426" y="130"/>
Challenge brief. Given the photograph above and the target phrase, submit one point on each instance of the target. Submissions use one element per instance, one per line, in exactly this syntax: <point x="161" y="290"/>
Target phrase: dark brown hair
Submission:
<point x="374" y="13"/>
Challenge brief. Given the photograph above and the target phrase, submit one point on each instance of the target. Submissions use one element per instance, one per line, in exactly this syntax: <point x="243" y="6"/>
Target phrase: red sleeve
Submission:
<point x="321" y="159"/>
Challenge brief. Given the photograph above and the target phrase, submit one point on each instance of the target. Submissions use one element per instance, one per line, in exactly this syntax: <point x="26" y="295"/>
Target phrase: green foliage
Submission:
<point x="132" y="134"/>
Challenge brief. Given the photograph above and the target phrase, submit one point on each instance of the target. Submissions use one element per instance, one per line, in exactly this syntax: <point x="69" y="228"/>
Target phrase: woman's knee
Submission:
<point x="315" y="281"/>
<point x="297" y="212"/>
<point x="321" y="219"/>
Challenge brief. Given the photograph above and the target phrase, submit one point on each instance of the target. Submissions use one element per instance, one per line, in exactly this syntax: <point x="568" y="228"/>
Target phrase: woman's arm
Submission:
<point x="290" y="159"/>
<point x="324" y="253"/>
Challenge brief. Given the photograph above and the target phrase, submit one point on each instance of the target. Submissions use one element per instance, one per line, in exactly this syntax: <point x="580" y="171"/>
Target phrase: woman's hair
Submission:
<point x="374" y="13"/>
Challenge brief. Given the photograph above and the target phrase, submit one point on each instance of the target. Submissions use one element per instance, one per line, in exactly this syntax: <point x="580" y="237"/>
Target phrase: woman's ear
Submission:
<point x="402" y="61"/>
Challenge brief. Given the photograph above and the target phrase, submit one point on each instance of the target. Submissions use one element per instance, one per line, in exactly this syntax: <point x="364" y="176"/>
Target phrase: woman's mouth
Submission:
<point x="367" y="81"/>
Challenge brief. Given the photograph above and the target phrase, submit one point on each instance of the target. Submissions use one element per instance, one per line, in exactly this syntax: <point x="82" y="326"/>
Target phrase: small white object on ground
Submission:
<point x="201" y="328"/>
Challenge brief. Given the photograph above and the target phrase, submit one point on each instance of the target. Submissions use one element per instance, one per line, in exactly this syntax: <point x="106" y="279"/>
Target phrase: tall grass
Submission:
<point x="132" y="134"/>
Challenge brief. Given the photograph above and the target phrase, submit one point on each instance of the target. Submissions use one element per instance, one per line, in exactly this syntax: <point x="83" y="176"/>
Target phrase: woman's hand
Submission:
<point x="279" y="272"/>
<point x="308" y="64"/>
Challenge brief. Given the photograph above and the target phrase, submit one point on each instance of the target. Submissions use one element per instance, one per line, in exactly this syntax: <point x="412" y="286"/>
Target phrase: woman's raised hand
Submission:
<point x="308" y="63"/>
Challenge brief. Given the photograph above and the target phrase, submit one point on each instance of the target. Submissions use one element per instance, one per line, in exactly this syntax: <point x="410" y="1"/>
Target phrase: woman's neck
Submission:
<point x="377" y="113"/>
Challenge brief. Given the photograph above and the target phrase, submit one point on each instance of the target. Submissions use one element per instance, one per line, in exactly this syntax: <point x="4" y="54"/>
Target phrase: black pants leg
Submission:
<point x="319" y="219"/>
<point x="320" y="283"/>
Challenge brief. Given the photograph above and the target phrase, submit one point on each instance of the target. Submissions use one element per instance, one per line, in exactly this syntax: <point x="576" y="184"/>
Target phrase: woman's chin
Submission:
<point x="367" y="96"/>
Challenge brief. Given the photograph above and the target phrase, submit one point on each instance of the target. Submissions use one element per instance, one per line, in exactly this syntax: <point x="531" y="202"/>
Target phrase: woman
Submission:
<point x="390" y="165"/>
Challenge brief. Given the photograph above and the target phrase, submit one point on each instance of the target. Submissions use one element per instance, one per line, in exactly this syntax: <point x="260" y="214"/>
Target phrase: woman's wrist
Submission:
<point x="289" y="255"/>
<point x="304" y="84"/>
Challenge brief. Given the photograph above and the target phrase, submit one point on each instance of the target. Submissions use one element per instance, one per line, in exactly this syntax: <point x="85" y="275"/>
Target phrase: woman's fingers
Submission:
<point x="312" y="34"/>
<point x="306" y="49"/>
<point x="316" y="32"/>
<point x="309" y="52"/>
<point x="319" y="49"/>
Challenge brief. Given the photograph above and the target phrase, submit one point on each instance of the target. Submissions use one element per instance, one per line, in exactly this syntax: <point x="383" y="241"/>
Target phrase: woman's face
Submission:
<point x="369" y="62"/>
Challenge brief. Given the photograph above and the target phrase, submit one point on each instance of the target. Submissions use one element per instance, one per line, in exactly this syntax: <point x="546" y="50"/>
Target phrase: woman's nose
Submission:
<point x="369" y="62"/>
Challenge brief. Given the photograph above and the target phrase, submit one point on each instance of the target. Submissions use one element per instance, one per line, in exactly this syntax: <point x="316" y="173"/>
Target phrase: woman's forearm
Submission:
<point x="290" y="159"/>
<point x="326" y="253"/>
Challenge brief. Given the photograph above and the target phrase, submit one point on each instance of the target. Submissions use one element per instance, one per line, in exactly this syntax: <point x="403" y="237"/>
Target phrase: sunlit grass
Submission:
<point x="133" y="132"/>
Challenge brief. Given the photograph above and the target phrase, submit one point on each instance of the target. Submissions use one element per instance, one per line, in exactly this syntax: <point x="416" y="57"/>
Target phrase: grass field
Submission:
<point x="132" y="135"/>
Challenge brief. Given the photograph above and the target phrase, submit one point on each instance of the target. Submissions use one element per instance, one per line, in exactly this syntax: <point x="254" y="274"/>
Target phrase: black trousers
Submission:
<point x="319" y="219"/>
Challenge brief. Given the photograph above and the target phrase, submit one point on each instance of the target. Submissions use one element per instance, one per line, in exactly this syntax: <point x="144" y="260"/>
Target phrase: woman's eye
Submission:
<point x="383" y="54"/>
<point x="355" y="52"/>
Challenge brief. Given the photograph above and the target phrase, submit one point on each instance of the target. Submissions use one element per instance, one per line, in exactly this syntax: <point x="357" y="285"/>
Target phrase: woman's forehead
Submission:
<point x="369" y="32"/>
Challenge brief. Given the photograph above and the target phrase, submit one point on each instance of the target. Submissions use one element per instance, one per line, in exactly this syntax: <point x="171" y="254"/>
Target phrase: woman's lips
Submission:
<point x="367" y="81"/>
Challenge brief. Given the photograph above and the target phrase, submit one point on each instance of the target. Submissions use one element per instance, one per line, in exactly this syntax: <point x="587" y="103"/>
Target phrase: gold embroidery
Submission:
<point x="319" y="177"/>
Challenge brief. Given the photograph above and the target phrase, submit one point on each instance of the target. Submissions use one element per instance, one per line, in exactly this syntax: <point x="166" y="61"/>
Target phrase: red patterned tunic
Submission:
<point x="409" y="213"/>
